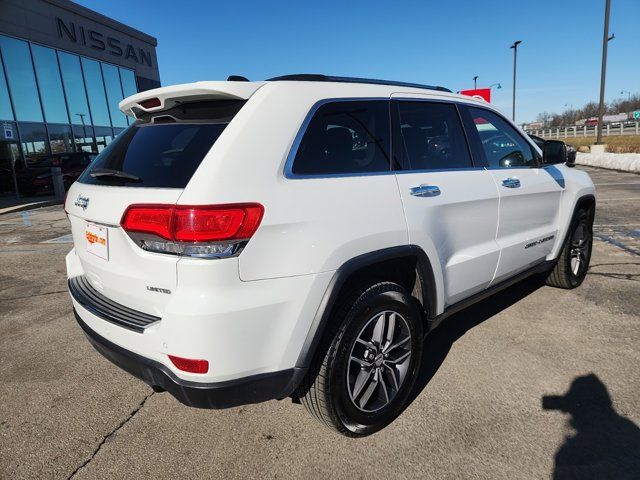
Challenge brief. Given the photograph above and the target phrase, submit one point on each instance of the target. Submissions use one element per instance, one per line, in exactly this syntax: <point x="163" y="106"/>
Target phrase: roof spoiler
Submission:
<point x="166" y="97"/>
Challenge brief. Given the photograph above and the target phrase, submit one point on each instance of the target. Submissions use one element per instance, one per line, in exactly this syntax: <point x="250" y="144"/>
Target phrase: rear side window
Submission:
<point x="351" y="137"/>
<point x="162" y="150"/>
<point x="503" y="146"/>
<point x="431" y="136"/>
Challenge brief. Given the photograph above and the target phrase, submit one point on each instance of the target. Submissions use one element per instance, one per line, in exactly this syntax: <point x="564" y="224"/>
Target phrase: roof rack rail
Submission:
<point x="316" y="77"/>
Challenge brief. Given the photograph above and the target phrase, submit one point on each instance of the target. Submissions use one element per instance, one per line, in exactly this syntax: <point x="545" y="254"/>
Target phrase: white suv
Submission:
<point x="245" y="241"/>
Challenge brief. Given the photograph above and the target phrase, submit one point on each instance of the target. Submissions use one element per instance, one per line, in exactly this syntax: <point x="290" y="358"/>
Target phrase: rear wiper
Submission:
<point x="109" y="172"/>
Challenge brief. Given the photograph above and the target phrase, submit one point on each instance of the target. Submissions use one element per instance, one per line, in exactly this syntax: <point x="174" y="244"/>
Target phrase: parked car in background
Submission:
<point x="571" y="150"/>
<point x="37" y="177"/>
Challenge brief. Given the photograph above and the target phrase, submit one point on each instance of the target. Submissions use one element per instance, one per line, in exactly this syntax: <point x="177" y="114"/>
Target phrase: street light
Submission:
<point x="475" y="82"/>
<point x="515" y="62"/>
<point x="622" y="92"/>
<point x="497" y="85"/>
<point x="605" y="41"/>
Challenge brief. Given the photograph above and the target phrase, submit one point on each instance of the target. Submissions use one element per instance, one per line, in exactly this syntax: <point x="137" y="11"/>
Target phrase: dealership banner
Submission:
<point x="481" y="93"/>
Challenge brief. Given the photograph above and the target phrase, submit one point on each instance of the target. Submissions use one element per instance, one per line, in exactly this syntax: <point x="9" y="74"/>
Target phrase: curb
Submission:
<point x="30" y="206"/>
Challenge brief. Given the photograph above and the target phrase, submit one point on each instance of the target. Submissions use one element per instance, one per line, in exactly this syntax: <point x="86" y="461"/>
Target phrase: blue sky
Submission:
<point x="435" y="42"/>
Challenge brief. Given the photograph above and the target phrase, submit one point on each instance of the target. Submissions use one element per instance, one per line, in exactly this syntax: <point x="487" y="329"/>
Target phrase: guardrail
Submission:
<point x="618" y="129"/>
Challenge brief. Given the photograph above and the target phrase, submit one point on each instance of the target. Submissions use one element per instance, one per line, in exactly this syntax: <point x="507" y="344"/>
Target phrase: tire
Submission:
<point x="358" y="398"/>
<point x="573" y="263"/>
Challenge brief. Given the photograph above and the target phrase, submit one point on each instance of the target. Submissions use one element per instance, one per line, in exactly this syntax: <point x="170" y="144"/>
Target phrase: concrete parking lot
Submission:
<point x="482" y="408"/>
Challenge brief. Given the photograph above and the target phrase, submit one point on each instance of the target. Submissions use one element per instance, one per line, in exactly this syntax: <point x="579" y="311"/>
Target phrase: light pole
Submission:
<point x="515" y="62"/>
<point x="622" y="92"/>
<point x="497" y="85"/>
<point x="475" y="82"/>
<point x="605" y="41"/>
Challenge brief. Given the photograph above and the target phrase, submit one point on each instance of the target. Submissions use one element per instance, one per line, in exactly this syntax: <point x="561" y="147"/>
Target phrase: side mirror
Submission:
<point x="554" y="151"/>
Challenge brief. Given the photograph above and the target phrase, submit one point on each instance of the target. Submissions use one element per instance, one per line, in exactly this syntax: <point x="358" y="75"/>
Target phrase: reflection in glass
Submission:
<point x="128" y="79"/>
<point x="114" y="94"/>
<point x="60" y="138"/>
<point x="5" y="104"/>
<point x="104" y="136"/>
<point x="117" y="131"/>
<point x="50" y="84"/>
<point x="22" y="81"/>
<point x="74" y="88"/>
<point x="95" y="89"/>
<point x="83" y="137"/>
<point x="33" y="138"/>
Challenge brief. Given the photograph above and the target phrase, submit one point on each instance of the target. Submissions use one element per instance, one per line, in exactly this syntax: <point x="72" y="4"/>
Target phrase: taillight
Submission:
<point x="190" y="365"/>
<point x="207" y="231"/>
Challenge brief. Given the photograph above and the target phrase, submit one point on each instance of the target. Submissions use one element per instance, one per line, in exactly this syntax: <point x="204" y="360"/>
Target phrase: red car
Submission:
<point x="37" y="177"/>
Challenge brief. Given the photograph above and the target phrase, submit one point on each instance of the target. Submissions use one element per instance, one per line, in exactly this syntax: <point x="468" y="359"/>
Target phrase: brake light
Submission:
<point x="190" y="365"/>
<point x="211" y="230"/>
<point x="151" y="103"/>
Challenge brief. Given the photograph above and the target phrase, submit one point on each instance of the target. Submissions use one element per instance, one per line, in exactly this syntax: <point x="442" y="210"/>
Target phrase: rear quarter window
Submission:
<point x="345" y="137"/>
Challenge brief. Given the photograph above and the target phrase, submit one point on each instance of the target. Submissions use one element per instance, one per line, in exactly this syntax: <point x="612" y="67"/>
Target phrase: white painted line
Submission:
<point x="616" y="199"/>
<point x="623" y="183"/>
<point x="63" y="239"/>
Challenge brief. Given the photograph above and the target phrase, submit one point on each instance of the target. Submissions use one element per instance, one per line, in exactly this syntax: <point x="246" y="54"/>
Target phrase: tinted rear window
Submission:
<point x="164" y="154"/>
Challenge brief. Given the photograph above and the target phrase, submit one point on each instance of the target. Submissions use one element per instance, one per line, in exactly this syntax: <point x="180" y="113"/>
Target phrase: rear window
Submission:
<point x="162" y="150"/>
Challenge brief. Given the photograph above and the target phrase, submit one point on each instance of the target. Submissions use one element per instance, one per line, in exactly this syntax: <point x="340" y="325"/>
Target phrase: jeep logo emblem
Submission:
<point x="82" y="202"/>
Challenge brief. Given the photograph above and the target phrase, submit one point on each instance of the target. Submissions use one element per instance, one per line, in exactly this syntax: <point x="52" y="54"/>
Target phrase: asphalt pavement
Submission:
<point x="534" y="382"/>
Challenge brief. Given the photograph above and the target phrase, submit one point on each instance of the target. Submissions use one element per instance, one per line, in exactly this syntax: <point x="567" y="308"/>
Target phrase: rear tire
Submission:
<point x="366" y="366"/>
<point x="573" y="263"/>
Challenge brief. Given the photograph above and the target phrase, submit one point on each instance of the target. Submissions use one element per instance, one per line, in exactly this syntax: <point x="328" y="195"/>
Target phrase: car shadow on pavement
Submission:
<point x="605" y="444"/>
<point x="438" y="342"/>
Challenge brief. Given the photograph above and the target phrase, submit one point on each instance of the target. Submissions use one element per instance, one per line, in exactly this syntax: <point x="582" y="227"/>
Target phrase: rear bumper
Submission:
<point x="241" y="391"/>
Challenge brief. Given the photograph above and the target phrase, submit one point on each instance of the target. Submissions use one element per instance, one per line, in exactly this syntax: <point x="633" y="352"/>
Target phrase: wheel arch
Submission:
<point x="587" y="202"/>
<point x="387" y="264"/>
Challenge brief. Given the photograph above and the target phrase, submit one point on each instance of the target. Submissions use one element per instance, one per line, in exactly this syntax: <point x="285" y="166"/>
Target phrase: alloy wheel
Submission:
<point x="379" y="361"/>
<point x="580" y="250"/>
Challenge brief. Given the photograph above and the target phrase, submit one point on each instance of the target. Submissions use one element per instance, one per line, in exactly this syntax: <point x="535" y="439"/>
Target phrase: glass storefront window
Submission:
<point x="21" y="79"/>
<point x="104" y="136"/>
<point x="83" y="137"/>
<point x="95" y="89"/>
<point x="50" y="84"/>
<point x="74" y="88"/>
<point x="114" y="94"/>
<point x="5" y="104"/>
<point x="128" y="79"/>
<point x="33" y="137"/>
<point x="60" y="138"/>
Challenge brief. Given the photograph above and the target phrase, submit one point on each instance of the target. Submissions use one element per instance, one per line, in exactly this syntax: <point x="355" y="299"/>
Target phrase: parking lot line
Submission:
<point x="607" y="184"/>
<point x="617" y="199"/>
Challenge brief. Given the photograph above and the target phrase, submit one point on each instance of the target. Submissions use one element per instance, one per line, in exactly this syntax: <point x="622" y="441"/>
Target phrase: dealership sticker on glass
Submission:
<point x="97" y="240"/>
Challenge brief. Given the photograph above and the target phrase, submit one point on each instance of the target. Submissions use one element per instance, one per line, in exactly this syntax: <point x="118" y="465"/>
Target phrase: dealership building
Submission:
<point x="64" y="69"/>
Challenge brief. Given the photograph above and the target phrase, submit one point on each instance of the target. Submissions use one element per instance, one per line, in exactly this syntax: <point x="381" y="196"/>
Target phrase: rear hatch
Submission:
<point x="150" y="163"/>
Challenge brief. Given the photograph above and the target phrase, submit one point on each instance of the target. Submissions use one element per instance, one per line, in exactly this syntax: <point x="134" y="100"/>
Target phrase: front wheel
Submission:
<point x="575" y="256"/>
<point x="362" y="377"/>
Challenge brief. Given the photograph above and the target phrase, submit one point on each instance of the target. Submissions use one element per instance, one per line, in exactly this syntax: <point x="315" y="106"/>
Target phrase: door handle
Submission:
<point x="511" y="182"/>
<point x="425" y="191"/>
